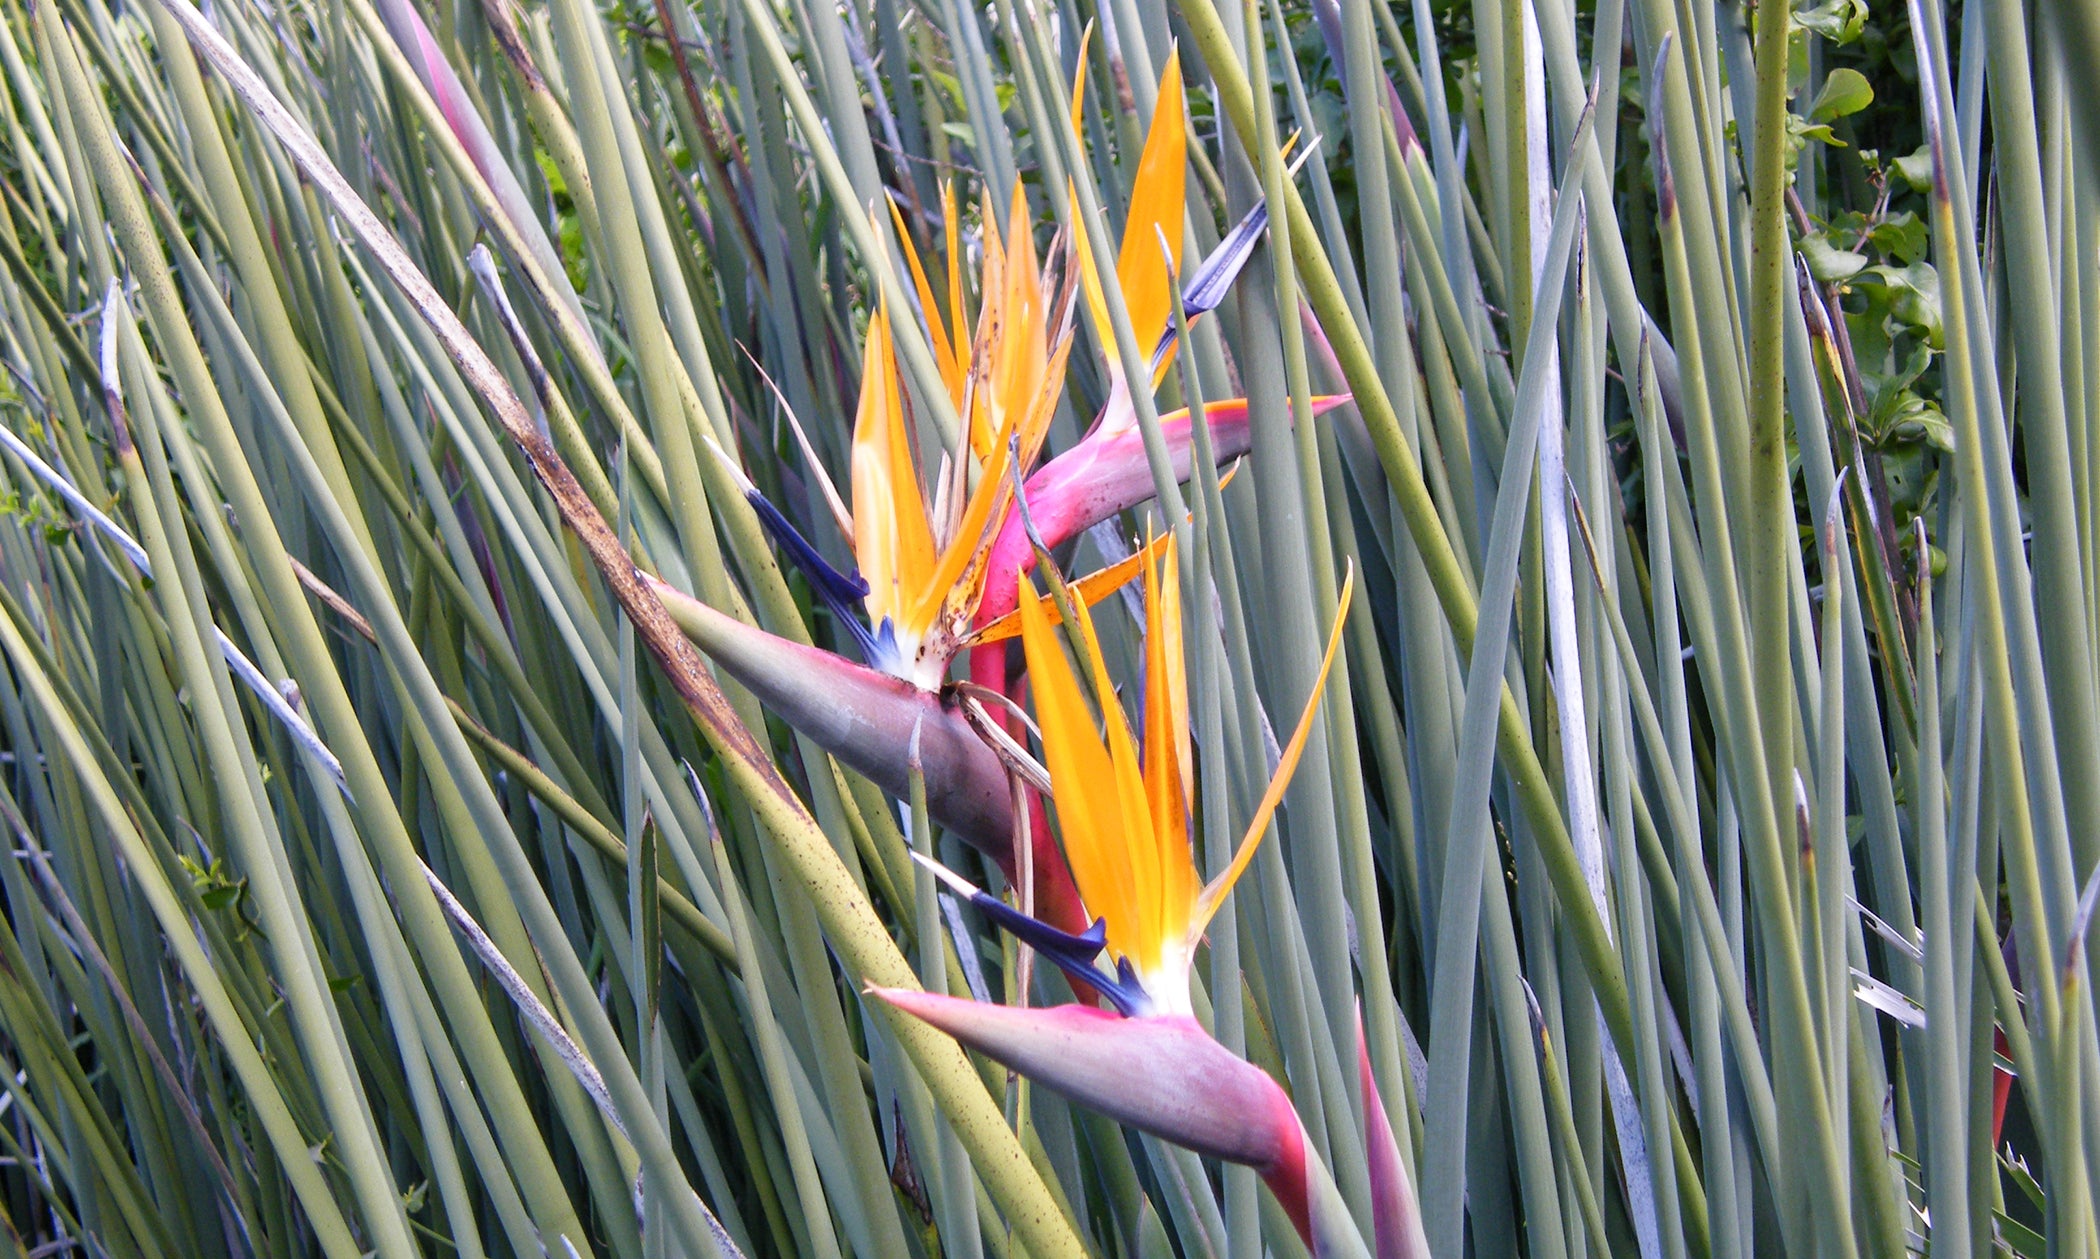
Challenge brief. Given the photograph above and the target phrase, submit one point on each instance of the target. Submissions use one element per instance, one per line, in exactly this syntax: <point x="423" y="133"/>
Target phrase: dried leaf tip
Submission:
<point x="112" y="383"/>
<point x="1658" y="136"/>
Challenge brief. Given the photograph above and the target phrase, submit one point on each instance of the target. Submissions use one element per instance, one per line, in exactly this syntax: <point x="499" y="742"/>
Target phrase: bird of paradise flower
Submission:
<point x="937" y="543"/>
<point x="1121" y="799"/>
<point x="923" y="546"/>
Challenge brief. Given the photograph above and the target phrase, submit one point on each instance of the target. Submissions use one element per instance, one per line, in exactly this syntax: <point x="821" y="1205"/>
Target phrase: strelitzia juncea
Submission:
<point x="922" y="526"/>
<point x="920" y="539"/>
<point x="923" y="557"/>
<point x="1121" y="798"/>
<point x="937" y="544"/>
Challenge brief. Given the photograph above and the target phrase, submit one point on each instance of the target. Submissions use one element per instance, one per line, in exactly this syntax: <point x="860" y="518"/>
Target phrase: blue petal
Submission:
<point x="879" y="648"/>
<point x="1207" y="285"/>
<point x="841" y="592"/>
<point x="1074" y="955"/>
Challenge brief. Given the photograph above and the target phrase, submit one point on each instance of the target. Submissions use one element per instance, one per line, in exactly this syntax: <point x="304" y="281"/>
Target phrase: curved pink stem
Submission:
<point x="423" y="53"/>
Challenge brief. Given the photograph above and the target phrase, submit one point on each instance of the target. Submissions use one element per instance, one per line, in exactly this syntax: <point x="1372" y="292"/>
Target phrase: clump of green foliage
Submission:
<point x="1703" y="823"/>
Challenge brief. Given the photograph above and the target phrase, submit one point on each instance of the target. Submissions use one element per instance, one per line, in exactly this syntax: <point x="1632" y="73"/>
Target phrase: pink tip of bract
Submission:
<point x="1396" y="1218"/>
<point x="1106" y="473"/>
<point x="1162" y="1075"/>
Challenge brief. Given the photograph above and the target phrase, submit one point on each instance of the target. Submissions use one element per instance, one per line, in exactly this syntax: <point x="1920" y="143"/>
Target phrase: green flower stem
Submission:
<point x="1765" y="512"/>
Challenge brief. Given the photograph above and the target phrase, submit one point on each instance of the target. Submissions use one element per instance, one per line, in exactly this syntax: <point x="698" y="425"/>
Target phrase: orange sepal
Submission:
<point x="945" y="352"/>
<point x="892" y="542"/>
<point x="1157" y="204"/>
<point x="1083" y="773"/>
<point x="1090" y="590"/>
<point x="1167" y="763"/>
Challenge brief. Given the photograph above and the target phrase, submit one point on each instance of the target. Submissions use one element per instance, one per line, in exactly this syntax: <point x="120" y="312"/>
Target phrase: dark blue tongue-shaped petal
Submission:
<point x="1206" y="286"/>
<point x="841" y="592"/>
<point x="1072" y="954"/>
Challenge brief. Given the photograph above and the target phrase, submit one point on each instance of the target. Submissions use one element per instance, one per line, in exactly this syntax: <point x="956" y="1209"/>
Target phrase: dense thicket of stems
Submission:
<point x="410" y="851"/>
